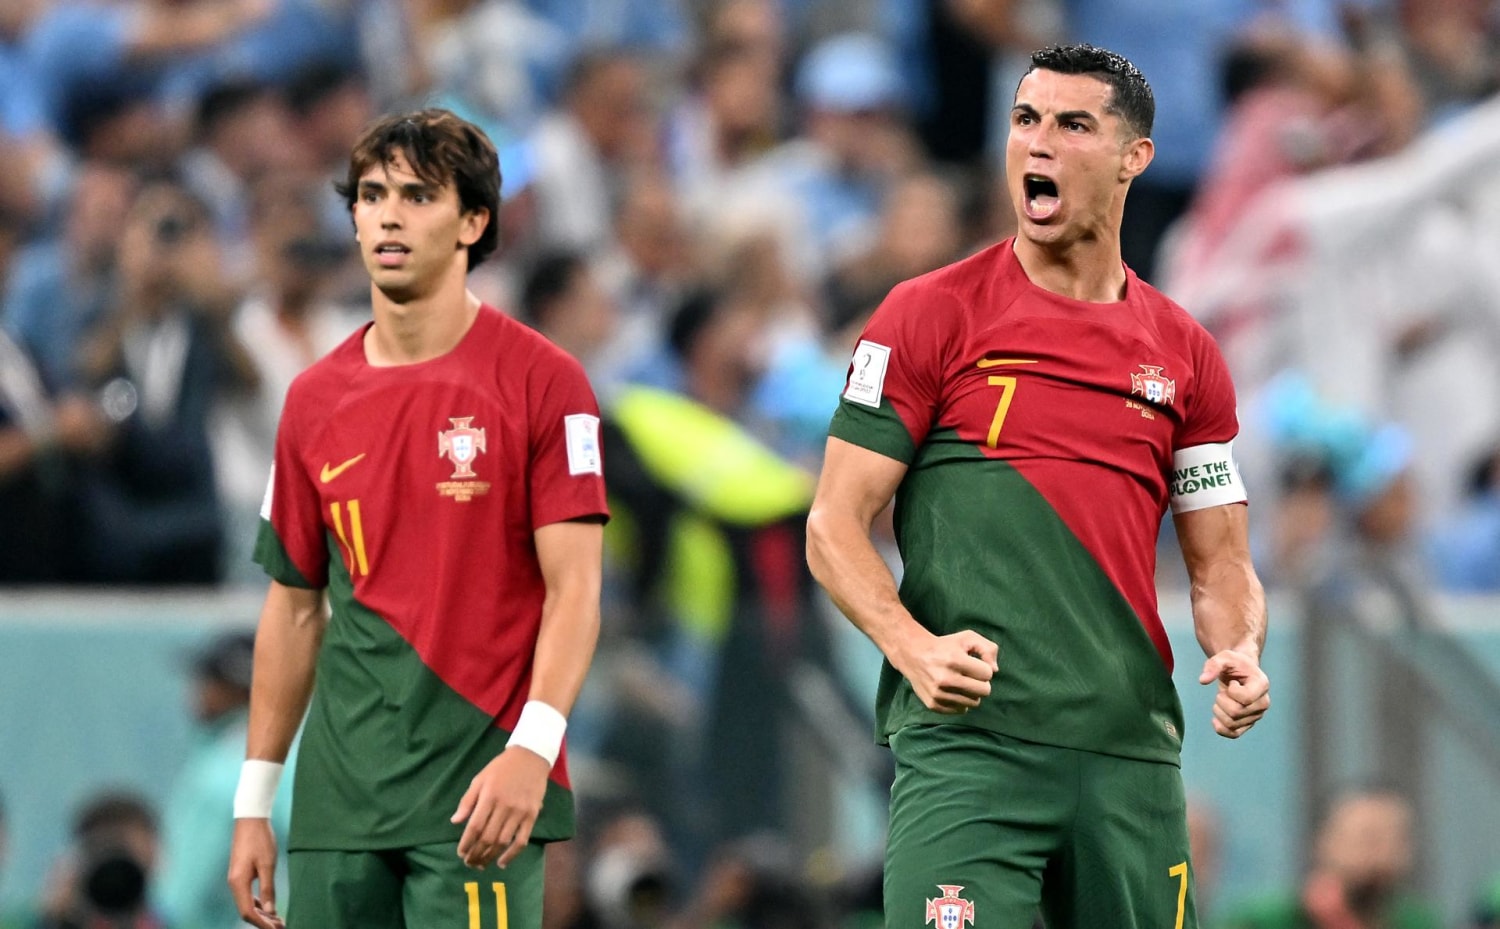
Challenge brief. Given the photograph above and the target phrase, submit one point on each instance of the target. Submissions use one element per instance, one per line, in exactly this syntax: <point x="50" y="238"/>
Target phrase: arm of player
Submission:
<point x="504" y="800"/>
<point x="1229" y="612"/>
<point x="286" y="653"/>
<point x="951" y="673"/>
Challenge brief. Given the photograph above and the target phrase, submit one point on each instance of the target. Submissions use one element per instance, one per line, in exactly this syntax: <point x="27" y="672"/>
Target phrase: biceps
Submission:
<point x="856" y="480"/>
<point x="570" y="552"/>
<point x="1214" y="537"/>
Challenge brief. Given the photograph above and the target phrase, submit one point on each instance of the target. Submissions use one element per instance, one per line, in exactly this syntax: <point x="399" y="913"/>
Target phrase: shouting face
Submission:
<point x="1069" y="159"/>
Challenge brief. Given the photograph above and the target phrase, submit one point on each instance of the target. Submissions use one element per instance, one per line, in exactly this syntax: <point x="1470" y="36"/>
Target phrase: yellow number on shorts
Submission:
<point x="359" y="563"/>
<point x="1179" y="871"/>
<point x="502" y="912"/>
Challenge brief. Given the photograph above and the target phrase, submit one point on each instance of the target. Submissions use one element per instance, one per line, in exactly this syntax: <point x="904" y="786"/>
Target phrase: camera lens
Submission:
<point x="116" y="883"/>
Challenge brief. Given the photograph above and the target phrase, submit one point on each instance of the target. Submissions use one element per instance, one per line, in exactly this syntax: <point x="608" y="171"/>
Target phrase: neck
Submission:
<point x="1091" y="271"/>
<point x="420" y="329"/>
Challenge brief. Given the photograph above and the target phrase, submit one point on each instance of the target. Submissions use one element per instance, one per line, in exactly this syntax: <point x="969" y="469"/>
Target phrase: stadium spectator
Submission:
<point x="854" y="144"/>
<point x="649" y="266"/>
<point x="582" y="151"/>
<point x="286" y="321"/>
<point x="1362" y="857"/>
<point x="242" y="131"/>
<point x="1465" y="548"/>
<point x="83" y="50"/>
<point x="60" y="286"/>
<point x="150" y="508"/>
<point x="103" y="880"/>
<point x="190" y="890"/>
<point x="564" y="301"/>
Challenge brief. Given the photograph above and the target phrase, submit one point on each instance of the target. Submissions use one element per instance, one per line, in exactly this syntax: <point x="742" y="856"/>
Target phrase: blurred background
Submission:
<point x="704" y="200"/>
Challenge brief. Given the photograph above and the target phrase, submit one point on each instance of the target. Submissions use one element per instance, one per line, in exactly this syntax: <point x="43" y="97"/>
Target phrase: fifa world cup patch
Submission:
<point x="867" y="373"/>
<point x="583" y="444"/>
<point x="950" y="911"/>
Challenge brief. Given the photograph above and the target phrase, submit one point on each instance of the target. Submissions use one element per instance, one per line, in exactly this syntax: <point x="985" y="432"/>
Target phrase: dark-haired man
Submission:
<point x="439" y="475"/>
<point x="1034" y="410"/>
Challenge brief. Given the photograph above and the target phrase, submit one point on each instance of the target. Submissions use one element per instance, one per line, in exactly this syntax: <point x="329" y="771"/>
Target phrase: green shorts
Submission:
<point x="412" y="888"/>
<point x="985" y="828"/>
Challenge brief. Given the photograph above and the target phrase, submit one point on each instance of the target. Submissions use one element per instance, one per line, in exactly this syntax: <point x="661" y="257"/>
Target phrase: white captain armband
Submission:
<point x="1205" y="476"/>
<point x="540" y="729"/>
<point x="257" y="790"/>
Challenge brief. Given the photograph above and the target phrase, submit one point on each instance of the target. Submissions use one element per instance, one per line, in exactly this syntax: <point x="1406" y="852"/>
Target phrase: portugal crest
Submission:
<point x="461" y="444"/>
<point x="1151" y="385"/>
<point x="950" y="911"/>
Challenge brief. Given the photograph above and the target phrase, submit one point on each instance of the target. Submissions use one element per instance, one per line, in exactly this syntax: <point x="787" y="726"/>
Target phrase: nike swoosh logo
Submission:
<point x="329" y="474"/>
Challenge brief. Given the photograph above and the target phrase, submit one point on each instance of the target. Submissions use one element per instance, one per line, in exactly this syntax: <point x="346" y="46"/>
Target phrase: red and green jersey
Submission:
<point x="1039" y="435"/>
<point x="412" y="494"/>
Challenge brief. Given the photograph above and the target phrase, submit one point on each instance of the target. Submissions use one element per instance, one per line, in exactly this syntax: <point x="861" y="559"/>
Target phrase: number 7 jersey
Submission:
<point x="1039" y="434"/>
<point x="412" y="494"/>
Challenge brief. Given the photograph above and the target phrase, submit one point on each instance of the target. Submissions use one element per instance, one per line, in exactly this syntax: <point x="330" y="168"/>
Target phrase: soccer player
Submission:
<point x="438" y="475"/>
<point x="1034" y="409"/>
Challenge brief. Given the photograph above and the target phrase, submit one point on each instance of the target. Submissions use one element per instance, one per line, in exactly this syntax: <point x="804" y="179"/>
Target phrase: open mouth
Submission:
<point x="1042" y="200"/>
<point x="390" y="253"/>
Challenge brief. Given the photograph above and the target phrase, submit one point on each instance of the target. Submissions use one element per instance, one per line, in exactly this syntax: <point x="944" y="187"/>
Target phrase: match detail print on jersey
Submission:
<point x="1205" y="476"/>
<point x="867" y="378"/>
<point x="583" y="444"/>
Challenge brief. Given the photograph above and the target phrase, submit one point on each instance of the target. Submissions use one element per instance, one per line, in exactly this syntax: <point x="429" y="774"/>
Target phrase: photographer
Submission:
<point x="102" y="881"/>
<point x="151" y="507"/>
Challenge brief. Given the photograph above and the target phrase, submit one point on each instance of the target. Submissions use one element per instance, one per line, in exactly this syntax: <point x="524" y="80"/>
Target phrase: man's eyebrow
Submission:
<point x="1064" y="116"/>
<point x="371" y="185"/>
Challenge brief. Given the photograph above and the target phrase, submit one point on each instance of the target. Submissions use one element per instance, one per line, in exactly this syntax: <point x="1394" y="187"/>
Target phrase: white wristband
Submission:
<point x="540" y="729"/>
<point x="257" y="790"/>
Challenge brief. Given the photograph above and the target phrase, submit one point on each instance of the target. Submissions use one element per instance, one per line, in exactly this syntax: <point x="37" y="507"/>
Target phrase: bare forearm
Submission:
<point x="565" y="645"/>
<point x="847" y="565"/>
<point x="286" y="653"/>
<point x="1229" y="609"/>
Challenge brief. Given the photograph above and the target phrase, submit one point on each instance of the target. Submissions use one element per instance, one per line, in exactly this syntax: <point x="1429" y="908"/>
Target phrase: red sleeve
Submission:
<point x="295" y="508"/>
<point x="1210" y="412"/>
<point x="567" y="463"/>
<point x="909" y="328"/>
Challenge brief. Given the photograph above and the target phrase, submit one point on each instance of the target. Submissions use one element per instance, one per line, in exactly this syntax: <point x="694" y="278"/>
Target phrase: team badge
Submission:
<point x="1151" y="385"/>
<point x="461" y="445"/>
<point x="950" y="911"/>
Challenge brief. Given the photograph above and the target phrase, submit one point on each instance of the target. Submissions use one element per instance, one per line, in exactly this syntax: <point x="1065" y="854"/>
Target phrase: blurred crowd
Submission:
<point x="703" y="201"/>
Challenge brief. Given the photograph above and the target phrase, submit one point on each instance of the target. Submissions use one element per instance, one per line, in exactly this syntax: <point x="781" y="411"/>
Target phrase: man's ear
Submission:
<point x="1138" y="154"/>
<point x="475" y="222"/>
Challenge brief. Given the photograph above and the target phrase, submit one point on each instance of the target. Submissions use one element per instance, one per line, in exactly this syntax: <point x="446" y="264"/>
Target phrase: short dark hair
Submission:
<point x="105" y="814"/>
<point x="441" y="148"/>
<point x="1131" y="98"/>
<point x="550" y="278"/>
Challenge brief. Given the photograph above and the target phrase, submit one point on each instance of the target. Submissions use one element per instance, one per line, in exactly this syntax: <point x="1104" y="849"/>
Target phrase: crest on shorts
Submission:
<point x="461" y="445"/>
<point x="950" y="911"/>
<point x="1150" y="384"/>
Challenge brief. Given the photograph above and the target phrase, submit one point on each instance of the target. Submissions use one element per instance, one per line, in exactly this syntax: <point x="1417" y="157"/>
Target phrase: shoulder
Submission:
<point x="951" y="291"/>
<point x="518" y="347"/>
<point x="1170" y="320"/>
<point x="327" y="376"/>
